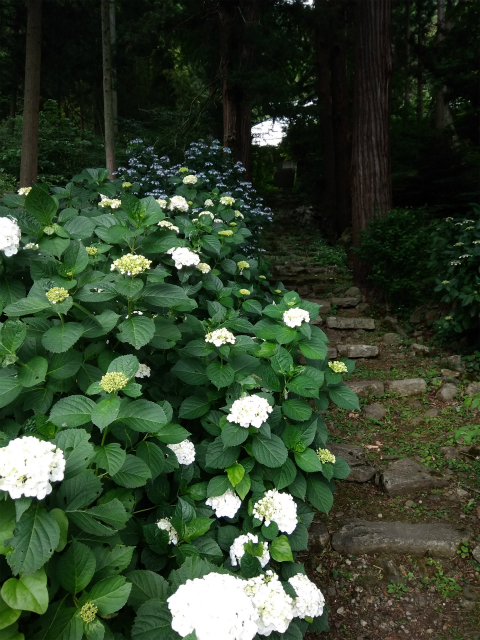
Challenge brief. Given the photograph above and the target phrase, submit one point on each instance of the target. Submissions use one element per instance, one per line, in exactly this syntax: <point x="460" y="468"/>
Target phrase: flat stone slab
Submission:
<point x="318" y="537"/>
<point x="438" y="540"/>
<point x="406" y="387"/>
<point x="365" y="388"/>
<point x="332" y="353"/>
<point x="357" y="350"/>
<point x="356" y="460"/>
<point x="361" y="474"/>
<point x="375" y="411"/>
<point x="453" y="362"/>
<point x="406" y="476"/>
<point x="345" y="303"/>
<point x="447" y="392"/>
<point x="391" y="339"/>
<point x="335" y="322"/>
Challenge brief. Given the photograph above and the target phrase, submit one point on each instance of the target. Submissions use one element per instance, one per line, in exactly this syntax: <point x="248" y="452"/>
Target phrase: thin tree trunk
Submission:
<point x="31" y="104"/>
<point x="407" y="52"/>
<point x="443" y="117"/>
<point x="420" y="38"/>
<point x="371" y="178"/>
<point x="108" y="90"/>
<point x="113" y="42"/>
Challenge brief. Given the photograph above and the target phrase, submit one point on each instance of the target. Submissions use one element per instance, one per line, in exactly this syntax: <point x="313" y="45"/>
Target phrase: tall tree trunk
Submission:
<point x="443" y="116"/>
<point x="31" y="100"/>
<point x="108" y="90"/>
<point x="341" y="121"/>
<point x="420" y="39"/>
<point x="324" y="93"/>
<point x="113" y="42"/>
<point x="371" y="179"/>
<point x="407" y="52"/>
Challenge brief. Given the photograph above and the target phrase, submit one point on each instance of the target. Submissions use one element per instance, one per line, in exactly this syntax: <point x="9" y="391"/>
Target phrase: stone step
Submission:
<point x="440" y="540"/>
<point x="365" y="388"/>
<point x="404" y="477"/>
<point x="345" y="303"/>
<point x="406" y="387"/>
<point x="357" y="350"/>
<point x="336" y="322"/>
<point x="356" y="459"/>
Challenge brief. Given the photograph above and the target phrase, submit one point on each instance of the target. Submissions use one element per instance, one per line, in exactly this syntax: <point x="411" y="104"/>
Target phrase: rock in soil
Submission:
<point x="391" y="339"/>
<point x="453" y="362"/>
<point x="407" y="387"/>
<point x="393" y="325"/>
<point x="439" y="540"/>
<point x="361" y="474"/>
<point x="335" y="322"/>
<point x="345" y="303"/>
<point x="353" y="291"/>
<point x="357" y="350"/>
<point x="447" y="392"/>
<point x="432" y="413"/>
<point x="318" y="537"/>
<point x="365" y="388"/>
<point x="356" y="460"/>
<point x="472" y="389"/>
<point x="407" y="476"/>
<point x="420" y="349"/>
<point x="375" y="411"/>
<point x="476" y="553"/>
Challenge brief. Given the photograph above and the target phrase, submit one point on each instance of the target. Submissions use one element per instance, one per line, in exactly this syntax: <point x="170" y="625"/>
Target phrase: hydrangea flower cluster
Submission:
<point x="237" y="550"/>
<point x="28" y="466"/>
<point x="243" y="264"/>
<point x="309" y="602"/>
<point x="250" y="411"/>
<point x="165" y="525"/>
<point x="92" y="251"/>
<point x="279" y="508"/>
<point x="208" y="203"/>
<point x="227" y="200"/>
<point x="244" y="292"/>
<point x="226" y="505"/>
<point x="24" y="191"/>
<point x="10" y="235"/>
<point x="168" y="225"/>
<point x="143" y="370"/>
<point x="162" y="202"/>
<point x="216" y="607"/>
<point x="239" y="214"/>
<point x="31" y="245"/>
<point x="109" y="202"/>
<point x="185" y="452"/>
<point x="57" y="295"/>
<point x="190" y="180"/>
<point x="113" y="381"/>
<point x="226" y="233"/>
<point x="338" y="367"/>
<point x="178" y="202"/>
<point x="126" y="185"/>
<point x="273" y="605"/>
<point x="219" y="337"/>
<point x="131" y="264"/>
<point x="325" y="456"/>
<point x="206" y="213"/>
<point x="294" y="317"/>
<point x="204" y="267"/>
<point x="88" y="612"/>
<point x="184" y="257"/>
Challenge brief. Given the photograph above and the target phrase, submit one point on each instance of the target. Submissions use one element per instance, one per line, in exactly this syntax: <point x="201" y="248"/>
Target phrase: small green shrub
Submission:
<point x="455" y="261"/>
<point x="394" y="249"/>
<point x="131" y="345"/>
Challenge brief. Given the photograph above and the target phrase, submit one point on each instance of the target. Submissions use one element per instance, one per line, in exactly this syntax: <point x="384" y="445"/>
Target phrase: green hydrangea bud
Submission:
<point x="88" y="612"/>
<point x="92" y="251"/>
<point x="57" y="294"/>
<point x="324" y="456"/>
<point x="113" y="381"/>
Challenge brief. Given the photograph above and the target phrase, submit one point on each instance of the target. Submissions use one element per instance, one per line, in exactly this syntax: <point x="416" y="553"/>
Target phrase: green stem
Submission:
<point x="104" y="435"/>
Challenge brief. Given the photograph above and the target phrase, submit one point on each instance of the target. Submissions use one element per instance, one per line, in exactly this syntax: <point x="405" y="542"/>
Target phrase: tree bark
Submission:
<point x="31" y="104"/>
<point x="108" y="90"/>
<point x="113" y="42"/>
<point x="371" y="178"/>
<point x="407" y="52"/>
<point x="420" y="39"/>
<point x="443" y="116"/>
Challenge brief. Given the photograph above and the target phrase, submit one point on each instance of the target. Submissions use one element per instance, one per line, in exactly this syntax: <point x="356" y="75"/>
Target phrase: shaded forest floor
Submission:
<point x="387" y="596"/>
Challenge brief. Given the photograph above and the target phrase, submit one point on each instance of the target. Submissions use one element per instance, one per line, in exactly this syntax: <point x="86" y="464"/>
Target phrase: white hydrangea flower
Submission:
<point x="238" y="214"/>
<point x="216" y="607"/>
<point x="237" y="551"/>
<point x="250" y="411"/>
<point x="178" y="202"/>
<point x="277" y="507"/>
<point x="309" y="602"/>
<point x="28" y="466"/>
<point x="166" y="525"/>
<point x="184" y="257"/>
<point x="208" y="203"/>
<point x="226" y="505"/>
<point x="218" y="220"/>
<point x="131" y="264"/>
<point x="227" y="200"/>
<point x="185" y="451"/>
<point x="190" y="180"/>
<point x="324" y="455"/>
<point x="274" y="606"/>
<point x="338" y="367"/>
<point x="294" y="317"/>
<point x="206" y="213"/>
<point x="168" y="225"/>
<point x="162" y="202"/>
<point x="24" y="191"/>
<point x="109" y="202"/>
<point x="143" y="370"/>
<point x="219" y="337"/>
<point x="10" y="235"/>
<point x="204" y="267"/>
<point x="31" y="245"/>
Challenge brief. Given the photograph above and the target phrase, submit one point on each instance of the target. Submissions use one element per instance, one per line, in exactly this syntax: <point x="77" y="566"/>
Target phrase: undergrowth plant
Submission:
<point x="163" y="450"/>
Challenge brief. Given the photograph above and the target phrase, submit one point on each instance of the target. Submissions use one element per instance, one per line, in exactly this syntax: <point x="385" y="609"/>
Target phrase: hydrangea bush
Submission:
<point x="162" y="446"/>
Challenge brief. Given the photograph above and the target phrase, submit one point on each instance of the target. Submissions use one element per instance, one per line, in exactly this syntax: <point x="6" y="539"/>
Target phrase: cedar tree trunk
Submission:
<point x="108" y="90"/>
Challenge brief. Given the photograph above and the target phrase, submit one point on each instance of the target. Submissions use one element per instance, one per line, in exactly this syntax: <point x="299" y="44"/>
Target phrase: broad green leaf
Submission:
<point x="62" y="522"/>
<point x="153" y="457"/>
<point x="27" y="306"/>
<point x="33" y="372"/>
<point x="130" y="289"/>
<point x="299" y="538"/>
<point x="220" y="375"/>
<point x="99" y="325"/>
<point x="219" y="458"/>
<point x="76" y="567"/>
<point x="36" y="536"/>
<point x="137" y="331"/>
<point x="110" y="457"/>
<point x="281" y="360"/>
<point x="110" y="595"/>
<point x="163" y="295"/>
<point x="7" y="523"/>
<point x="79" y="491"/>
<point x="12" y="335"/>
<point x="235" y="473"/>
<point x="303" y="386"/>
<point x="172" y="434"/>
<point x="319" y="494"/>
<point x="11" y="290"/>
<point x="284" y="475"/>
<point x="208" y="548"/>
<point x="341" y="469"/>
<point x="308" y="461"/>
<point x="197" y="491"/>
<point x="72" y="411"/>
<point x="143" y="416"/>
<point x="191" y="408"/>
<point x="133" y="473"/>
<point x="270" y="452"/>
<point x="111" y="562"/>
<point x="314" y="348"/>
<point x="270" y="532"/>
<point x="10" y="386"/>
<point x="298" y="487"/>
<point x="146" y="585"/>
<point x="218" y="485"/>
<point x="105" y="412"/>
<point x="127" y="365"/>
<point x="344" y="397"/>
<point x="197" y="527"/>
<point x="11" y="633"/>
<point x="80" y="227"/>
<point x="153" y="622"/>
<point x="191" y="371"/>
<point x="60" y="623"/>
<point x="233" y="434"/>
<point x="280" y="549"/>
<point x="60" y="338"/>
<point x="77" y="450"/>
<point x="252" y="306"/>
<point x="28" y="593"/>
<point x="297" y="409"/>
<point x="75" y="259"/>
<point x="41" y="205"/>
<point x="285" y="335"/>
<point x="111" y="513"/>
<point x="64" y="365"/>
<point x="243" y="487"/>
<point x="7" y="615"/>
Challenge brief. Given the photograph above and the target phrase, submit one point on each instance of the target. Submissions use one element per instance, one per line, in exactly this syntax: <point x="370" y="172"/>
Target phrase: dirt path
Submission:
<point x="379" y="583"/>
